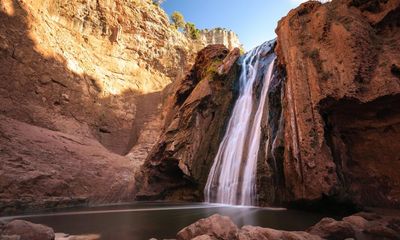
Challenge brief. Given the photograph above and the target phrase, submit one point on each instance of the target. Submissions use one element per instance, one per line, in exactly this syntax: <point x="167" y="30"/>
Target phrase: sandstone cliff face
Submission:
<point x="86" y="71"/>
<point x="178" y="165"/>
<point x="220" y="36"/>
<point x="335" y="123"/>
<point x="88" y="62"/>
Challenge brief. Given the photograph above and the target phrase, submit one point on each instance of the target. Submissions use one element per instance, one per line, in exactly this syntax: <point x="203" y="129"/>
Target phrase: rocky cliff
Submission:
<point x="331" y="129"/>
<point x="178" y="165"/>
<point x="334" y="120"/>
<point x="81" y="86"/>
<point x="88" y="87"/>
<point x="220" y="36"/>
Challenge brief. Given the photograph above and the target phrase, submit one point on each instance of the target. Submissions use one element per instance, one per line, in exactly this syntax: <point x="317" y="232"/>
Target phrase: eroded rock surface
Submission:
<point x="92" y="68"/>
<point x="334" y="120"/>
<point x="82" y="83"/>
<point x="216" y="227"/>
<point x="198" y="113"/>
<point x="373" y="226"/>
<point x="23" y="230"/>
<point x="220" y="36"/>
<point x="41" y="168"/>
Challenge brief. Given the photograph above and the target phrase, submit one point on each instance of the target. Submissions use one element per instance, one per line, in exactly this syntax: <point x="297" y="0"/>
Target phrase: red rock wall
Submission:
<point x="178" y="165"/>
<point x="89" y="78"/>
<point x="339" y="100"/>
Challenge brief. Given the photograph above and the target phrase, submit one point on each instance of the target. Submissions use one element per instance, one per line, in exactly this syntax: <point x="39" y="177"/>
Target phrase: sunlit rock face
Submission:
<point x="220" y="36"/>
<point x="93" y="70"/>
<point x="95" y="56"/>
<point x="334" y="112"/>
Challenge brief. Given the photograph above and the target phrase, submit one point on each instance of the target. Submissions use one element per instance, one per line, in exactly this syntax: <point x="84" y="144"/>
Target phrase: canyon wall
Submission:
<point x="87" y="89"/>
<point x="82" y="84"/>
<point x="178" y="165"/>
<point x="334" y="120"/>
<point x="220" y="36"/>
<point x="331" y="129"/>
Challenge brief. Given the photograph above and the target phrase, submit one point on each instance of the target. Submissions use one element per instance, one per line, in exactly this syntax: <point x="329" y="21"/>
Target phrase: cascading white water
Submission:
<point x="232" y="178"/>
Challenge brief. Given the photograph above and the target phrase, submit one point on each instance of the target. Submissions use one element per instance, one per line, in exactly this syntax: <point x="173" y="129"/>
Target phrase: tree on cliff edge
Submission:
<point x="191" y="31"/>
<point x="178" y="19"/>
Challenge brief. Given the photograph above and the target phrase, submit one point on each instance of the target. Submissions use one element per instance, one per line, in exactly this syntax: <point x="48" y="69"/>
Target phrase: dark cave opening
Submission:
<point x="364" y="142"/>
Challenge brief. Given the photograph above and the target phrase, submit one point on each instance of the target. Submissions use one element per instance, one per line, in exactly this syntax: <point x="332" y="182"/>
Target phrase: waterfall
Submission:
<point x="232" y="178"/>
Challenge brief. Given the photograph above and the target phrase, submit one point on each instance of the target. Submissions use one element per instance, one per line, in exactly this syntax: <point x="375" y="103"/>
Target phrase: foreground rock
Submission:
<point x="251" y="232"/>
<point x="178" y="165"/>
<point x="23" y="230"/>
<point x="222" y="228"/>
<point x="63" y="236"/>
<point x="362" y="226"/>
<point x="216" y="227"/>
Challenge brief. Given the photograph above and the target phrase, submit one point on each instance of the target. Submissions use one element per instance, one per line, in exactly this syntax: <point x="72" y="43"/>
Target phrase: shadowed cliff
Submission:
<point x="69" y="112"/>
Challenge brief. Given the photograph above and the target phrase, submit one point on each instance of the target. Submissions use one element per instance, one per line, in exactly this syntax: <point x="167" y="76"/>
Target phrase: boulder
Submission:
<point x="380" y="230"/>
<point x="10" y="237"/>
<point x="331" y="229"/>
<point x="204" y="237"/>
<point x="259" y="233"/>
<point x="356" y="221"/>
<point x="216" y="226"/>
<point x="28" y="231"/>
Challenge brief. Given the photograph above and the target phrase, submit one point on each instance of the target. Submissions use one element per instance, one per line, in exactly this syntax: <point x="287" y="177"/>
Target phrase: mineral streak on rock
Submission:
<point x="335" y="123"/>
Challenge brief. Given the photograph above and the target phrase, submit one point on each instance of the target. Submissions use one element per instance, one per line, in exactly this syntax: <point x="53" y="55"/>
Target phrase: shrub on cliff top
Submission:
<point x="178" y="20"/>
<point x="191" y="31"/>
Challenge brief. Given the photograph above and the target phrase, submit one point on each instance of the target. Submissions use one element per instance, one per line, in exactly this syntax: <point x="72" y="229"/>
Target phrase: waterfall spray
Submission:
<point x="232" y="178"/>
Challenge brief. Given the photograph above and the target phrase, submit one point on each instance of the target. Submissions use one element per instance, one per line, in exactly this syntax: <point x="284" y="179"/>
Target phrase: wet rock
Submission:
<point x="258" y="233"/>
<point x="331" y="229"/>
<point x="28" y="231"/>
<point x="216" y="227"/>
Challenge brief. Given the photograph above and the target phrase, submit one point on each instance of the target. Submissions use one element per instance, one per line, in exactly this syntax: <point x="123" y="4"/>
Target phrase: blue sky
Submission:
<point x="253" y="20"/>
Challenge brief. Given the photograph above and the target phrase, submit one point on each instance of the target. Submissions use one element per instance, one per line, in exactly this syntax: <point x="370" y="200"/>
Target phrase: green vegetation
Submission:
<point x="188" y="28"/>
<point x="191" y="31"/>
<point x="212" y="68"/>
<point x="178" y="20"/>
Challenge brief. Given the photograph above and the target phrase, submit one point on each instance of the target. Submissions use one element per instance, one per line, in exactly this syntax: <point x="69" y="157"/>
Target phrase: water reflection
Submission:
<point x="162" y="220"/>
